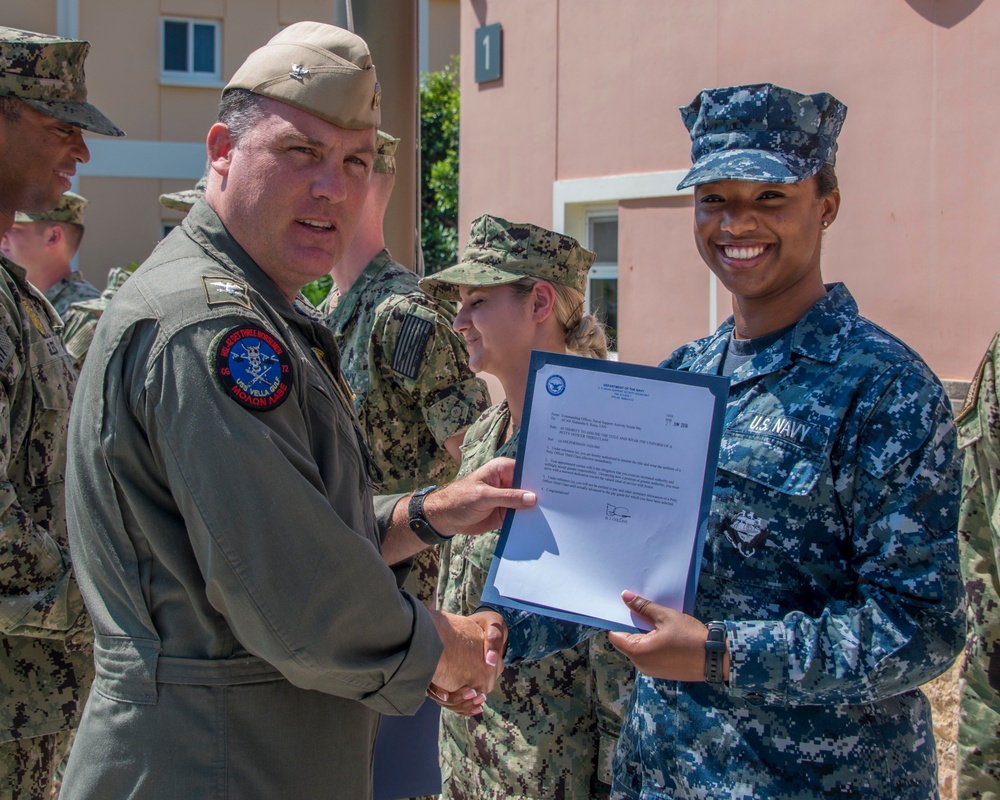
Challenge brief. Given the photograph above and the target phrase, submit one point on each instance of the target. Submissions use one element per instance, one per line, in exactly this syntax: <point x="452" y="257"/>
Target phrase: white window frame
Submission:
<point x="601" y="270"/>
<point x="571" y="199"/>
<point x="188" y="77"/>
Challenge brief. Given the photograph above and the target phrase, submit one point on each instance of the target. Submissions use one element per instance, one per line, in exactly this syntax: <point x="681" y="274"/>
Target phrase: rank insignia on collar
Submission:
<point x="221" y="290"/>
<point x="252" y="367"/>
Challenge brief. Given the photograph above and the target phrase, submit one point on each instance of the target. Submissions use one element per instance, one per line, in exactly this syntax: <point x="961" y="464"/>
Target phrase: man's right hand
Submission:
<point x="472" y="659"/>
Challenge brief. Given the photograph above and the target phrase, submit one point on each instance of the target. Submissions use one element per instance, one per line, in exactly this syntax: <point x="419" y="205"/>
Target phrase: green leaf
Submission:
<point x="439" y="120"/>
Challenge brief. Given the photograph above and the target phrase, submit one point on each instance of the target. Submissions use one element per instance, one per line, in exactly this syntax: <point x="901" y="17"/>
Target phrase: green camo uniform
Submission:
<point x="45" y="659"/>
<point x="979" y="540"/>
<point x="411" y="381"/>
<point x="549" y="728"/>
<point x="80" y="322"/>
<point x="71" y="289"/>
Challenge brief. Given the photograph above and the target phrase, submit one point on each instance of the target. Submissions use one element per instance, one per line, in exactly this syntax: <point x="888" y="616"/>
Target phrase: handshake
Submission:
<point x="471" y="662"/>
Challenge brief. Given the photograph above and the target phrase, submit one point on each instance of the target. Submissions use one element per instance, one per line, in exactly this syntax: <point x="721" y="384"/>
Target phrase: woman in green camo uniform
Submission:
<point x="549" y="728"/>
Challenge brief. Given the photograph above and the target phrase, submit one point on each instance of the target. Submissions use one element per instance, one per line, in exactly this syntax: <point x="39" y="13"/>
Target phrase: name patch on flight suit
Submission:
<point x="252" y="367"/>
<point x="414" y="334"/>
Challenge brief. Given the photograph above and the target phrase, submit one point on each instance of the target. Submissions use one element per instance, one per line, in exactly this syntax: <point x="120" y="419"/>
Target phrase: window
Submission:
<point x="191" y="52"/>
<point x="602" y="281"/>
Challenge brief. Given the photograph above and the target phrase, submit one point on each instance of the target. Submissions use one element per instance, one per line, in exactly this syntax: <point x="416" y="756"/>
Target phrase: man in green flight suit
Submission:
<point x="248" y="629"/>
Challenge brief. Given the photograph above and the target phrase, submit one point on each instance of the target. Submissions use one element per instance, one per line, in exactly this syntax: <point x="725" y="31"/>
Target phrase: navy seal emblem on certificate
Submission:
<point x="253" y="367"/>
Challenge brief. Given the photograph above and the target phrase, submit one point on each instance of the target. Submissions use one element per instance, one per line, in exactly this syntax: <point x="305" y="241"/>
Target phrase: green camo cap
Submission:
<point x="116" y="279"/>
<point x="70" y="209"/>
<point x="319" y="68"/>
<point x="184" y="199"/>
<point x="500" y="252"/>
<point x="385" y="154"/>
<point x="46" y="72"/>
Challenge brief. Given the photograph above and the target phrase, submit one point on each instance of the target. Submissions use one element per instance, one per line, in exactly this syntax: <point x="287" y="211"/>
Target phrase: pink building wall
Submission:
<point x="590" y="89"/>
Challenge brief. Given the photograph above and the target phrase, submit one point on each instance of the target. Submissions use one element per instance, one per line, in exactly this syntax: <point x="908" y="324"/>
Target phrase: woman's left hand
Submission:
<point x="466" y="702"/>
<point x="675" y="648"/>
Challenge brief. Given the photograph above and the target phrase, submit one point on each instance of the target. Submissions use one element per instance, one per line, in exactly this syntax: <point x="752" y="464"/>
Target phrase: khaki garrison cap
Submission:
<point x="70" y="209"/>
<point x="318" y="68"/>
<point x="46" y="72"/>
<point x="385" y="154"/>
<point x="501" y="252"/>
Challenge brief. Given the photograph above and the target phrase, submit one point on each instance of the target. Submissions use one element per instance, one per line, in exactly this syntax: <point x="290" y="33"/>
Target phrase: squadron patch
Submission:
<point x="414" y="334"/>
<point x="252" y="366"/>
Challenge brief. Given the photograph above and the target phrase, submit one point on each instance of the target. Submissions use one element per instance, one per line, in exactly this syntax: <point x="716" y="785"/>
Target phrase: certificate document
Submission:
<point x="622" y="458"/>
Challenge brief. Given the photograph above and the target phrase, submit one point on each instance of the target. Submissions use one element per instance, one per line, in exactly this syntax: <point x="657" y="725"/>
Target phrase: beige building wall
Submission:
<point x="166" y="123"/>
<point x="588" y="102"/>
<point x="443" y="33"/>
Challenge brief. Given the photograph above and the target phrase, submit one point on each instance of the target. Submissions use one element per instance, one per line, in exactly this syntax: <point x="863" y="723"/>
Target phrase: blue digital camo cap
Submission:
<point x="761" y="132"/>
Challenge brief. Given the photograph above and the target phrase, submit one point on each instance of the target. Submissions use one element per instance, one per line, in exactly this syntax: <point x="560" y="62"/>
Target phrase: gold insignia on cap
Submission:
<point x="378" y="95"/>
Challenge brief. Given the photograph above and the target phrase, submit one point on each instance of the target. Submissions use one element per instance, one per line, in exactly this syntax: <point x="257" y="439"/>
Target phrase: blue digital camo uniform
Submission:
<point x="832" y="558"/>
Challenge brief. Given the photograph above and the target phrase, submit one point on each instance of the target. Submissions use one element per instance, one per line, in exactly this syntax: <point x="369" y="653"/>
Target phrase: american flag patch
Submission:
<point x="410" y="346"/>
<point x="6" y="349"/>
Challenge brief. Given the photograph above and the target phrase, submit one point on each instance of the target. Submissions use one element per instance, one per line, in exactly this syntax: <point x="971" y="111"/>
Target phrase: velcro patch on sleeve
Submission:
<point x="6" y="349"/>
<point x="223" y="290"/>
<point x="414" y="334"/>
<point x="252" y="366"/>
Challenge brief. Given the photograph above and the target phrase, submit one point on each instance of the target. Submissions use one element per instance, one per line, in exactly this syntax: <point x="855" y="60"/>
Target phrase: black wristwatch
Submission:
<point x="715" y="648"/>
<point x="418" y="522"/>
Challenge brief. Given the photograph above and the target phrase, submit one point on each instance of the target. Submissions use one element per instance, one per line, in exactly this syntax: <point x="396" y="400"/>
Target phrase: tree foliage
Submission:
<point x="439" y="117"/>
<point x="317" y="291"/>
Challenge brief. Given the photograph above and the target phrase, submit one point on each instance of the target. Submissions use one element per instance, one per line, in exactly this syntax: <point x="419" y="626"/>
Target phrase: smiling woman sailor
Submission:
<point x="829" y="589"/>
<point x="522" y="289"/>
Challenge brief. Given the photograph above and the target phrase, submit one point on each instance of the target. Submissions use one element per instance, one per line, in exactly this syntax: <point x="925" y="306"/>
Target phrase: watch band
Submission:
<point x="715" y="648"/>
<point x="418" y="521"/>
